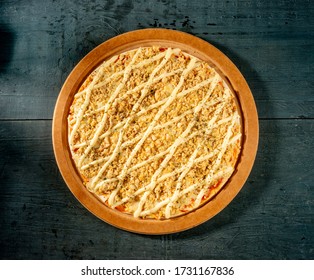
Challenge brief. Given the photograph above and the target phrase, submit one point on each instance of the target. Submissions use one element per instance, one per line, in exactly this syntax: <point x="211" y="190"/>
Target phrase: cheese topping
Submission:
<point x="154" y="132"/>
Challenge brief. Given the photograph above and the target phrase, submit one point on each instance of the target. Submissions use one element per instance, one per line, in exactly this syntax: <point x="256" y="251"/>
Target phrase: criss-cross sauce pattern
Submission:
<point x="154" y="132"/>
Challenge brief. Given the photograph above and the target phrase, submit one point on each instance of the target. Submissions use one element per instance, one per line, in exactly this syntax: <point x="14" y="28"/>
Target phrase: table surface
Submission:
<point x="271" y="42"/>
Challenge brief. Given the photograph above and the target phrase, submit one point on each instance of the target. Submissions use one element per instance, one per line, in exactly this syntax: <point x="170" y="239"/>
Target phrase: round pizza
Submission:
<point x="154" y="132"/>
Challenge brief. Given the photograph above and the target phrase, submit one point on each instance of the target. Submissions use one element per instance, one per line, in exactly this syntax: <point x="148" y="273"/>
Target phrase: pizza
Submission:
<point x="154" y="132"/>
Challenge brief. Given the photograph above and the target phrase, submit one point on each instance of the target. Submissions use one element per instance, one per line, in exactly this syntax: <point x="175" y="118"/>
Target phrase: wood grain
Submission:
<point x="271" y="42"/>
<point x="46" y="40"/>
<point x="271" y="218"/>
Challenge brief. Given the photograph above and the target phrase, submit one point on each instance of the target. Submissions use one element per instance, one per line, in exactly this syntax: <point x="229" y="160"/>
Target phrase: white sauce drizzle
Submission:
<point x="222" y="150"/>
<point x="200" y="159"/>
<point x="80" y="114"/>
<point x="210" y="177"/>
<point x="149" y="129"/>
<point x="156" y="118"/>
<point x="173" y="148"/>
<point x="179" y="182"/>
<point x="112" y="100"/>
<point x="140" y="139"/>
<point x="122" y="72"/>
<point x="136" y="89"/>
<point x="160" y="126"/>
<point x="223" y="173"/>
<point x="151" y="107"/>
<point x="134" y="109"/>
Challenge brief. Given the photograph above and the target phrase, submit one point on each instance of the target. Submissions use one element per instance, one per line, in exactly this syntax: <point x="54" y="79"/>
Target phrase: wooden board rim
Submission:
<point x="190" y="44"/>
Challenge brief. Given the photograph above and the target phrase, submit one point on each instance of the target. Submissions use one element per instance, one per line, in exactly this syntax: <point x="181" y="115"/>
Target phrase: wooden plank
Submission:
<point x="271" y="43"/>
<point x="271" y="218"/>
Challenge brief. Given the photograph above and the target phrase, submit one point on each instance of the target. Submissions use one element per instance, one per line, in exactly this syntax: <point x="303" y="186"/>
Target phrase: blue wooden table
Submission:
<point x="271" y="42"/>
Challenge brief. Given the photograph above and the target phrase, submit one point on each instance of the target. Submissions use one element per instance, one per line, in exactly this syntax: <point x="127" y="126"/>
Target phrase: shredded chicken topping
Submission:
<point x="154" y="132"/>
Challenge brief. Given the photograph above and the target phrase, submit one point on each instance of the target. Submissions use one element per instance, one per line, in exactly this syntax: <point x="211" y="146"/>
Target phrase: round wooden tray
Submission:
<point x="164" y="38"/>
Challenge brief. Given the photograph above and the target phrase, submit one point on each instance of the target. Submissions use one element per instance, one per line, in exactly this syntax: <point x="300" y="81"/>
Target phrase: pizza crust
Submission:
<point x="154" y="132"/>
